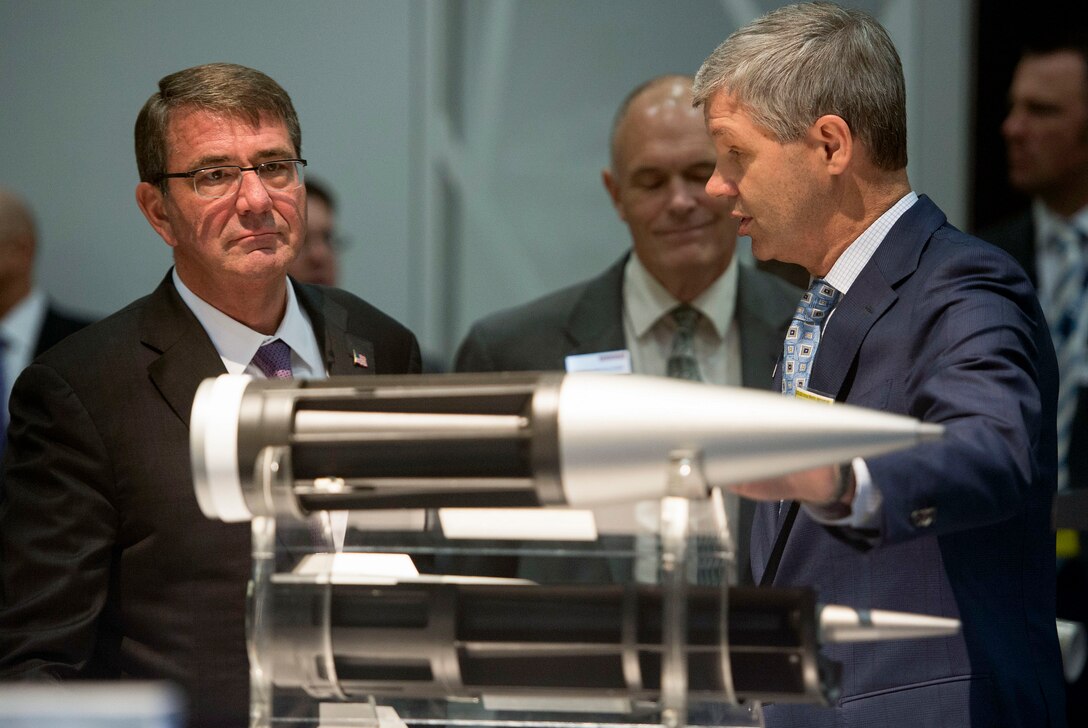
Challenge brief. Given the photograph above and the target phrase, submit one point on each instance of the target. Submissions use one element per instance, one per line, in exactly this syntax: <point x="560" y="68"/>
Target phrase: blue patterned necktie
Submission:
<point x="682" y="363"/>
<point x="1064" y="306"/>
<point x="274" y="359"/>
<point x="803" y="336"/>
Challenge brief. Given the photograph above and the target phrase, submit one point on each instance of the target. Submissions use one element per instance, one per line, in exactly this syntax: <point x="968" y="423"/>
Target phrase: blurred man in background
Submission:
<point x="1046" y="137"/>
<point x="318" y="260"/>
<point x="679" y="303"/>
<point x="29" y="322"/>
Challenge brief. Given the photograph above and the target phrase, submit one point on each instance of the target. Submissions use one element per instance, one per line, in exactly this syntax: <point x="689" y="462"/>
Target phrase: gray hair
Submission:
<point x="800" y="62"/>
<point x="221" y="88"/>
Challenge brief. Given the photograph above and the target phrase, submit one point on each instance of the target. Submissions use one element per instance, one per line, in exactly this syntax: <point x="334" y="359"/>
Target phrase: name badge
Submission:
<point x="812" y="396"/>
<point x="607" y="362"/>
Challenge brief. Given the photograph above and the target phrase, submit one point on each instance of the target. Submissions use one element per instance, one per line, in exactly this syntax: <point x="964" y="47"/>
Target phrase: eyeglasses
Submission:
<point x="279" y="175"/>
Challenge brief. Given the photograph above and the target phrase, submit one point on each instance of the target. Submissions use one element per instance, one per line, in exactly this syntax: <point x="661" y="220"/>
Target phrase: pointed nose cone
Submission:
<point x="845" y="624"/>
<point x="616" y="434"/>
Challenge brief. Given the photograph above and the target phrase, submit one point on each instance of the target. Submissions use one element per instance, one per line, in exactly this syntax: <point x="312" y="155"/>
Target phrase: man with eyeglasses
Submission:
<point x="107" y="567"/>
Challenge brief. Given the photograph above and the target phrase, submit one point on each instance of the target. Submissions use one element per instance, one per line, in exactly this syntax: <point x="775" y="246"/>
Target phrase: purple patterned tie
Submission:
<point x="274" y="359"/>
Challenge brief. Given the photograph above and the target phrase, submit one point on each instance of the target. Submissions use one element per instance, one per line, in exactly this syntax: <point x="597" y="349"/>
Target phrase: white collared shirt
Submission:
<point x="849" y="265"/>
<point x="1048" y="224"/>
<point x="20" y="328"/>
<point x="237" y="343"/>
<point x="648" y="329"/>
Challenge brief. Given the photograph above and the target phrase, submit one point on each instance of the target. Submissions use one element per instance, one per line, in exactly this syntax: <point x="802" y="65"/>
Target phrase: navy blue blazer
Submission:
<point x="946" y="328"/>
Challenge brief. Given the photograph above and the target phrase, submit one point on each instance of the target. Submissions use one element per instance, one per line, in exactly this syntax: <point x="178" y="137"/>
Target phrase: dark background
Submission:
<point x="1000" y="32"/>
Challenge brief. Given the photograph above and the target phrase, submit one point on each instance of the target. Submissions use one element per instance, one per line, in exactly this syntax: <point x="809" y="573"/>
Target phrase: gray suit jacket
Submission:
<point x="108" y="569"/>
<point x="588" y="317"/>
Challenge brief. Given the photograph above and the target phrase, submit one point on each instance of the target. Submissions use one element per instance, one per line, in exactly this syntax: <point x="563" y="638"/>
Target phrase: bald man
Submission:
<point x="682" y="253"/>
<point x="29" y="324"/>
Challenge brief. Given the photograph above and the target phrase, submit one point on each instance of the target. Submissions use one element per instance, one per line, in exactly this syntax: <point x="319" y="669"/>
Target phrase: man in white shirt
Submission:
<point x="683" y="245"/>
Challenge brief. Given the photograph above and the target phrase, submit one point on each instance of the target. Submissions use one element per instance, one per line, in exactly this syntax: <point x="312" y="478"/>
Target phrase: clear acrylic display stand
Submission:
<point x="402" y="626"/>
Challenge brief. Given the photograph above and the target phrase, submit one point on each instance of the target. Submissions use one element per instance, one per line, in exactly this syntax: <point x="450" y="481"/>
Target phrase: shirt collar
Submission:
<point x="646" y="300"/>
<point x="237" y="343"/>
<point x="1048" y="224"/>
<point x="849" y="265"/>
<point x="23" y="323"/>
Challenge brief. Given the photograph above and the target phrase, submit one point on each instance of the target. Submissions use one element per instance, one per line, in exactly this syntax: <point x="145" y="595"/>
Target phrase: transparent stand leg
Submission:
<point x="258" y="621"/>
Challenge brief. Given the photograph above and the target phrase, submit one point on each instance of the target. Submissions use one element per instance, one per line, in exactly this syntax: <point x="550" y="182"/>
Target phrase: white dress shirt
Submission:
<point x="648" y="329"/>
<point x="237" y="343"/>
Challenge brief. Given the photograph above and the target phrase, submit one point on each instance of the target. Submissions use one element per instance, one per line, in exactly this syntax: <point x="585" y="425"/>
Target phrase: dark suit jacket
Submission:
<point x="109" y="569"/>
<point x="945" y="328"/>
<point x="1017" y="236"/>
<point x="55" y="326"/>
<point x="588" y="317"/>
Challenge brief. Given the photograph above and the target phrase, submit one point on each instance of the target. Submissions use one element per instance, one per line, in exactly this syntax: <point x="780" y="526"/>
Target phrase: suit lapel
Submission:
<point x="868" y="299"/>
<point x="872" y="293"/>
<point x="596" y="320"/>
<point x="186" y="354"/>
<point x="344" y="353"/>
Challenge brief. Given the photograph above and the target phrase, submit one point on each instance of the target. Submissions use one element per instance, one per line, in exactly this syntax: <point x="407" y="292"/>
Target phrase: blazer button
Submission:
<point x="923" y="517"/>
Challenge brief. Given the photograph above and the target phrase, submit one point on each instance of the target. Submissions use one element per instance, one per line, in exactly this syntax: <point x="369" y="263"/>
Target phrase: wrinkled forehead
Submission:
<point x="201" y="135"/>
<point x="724" y="113"/>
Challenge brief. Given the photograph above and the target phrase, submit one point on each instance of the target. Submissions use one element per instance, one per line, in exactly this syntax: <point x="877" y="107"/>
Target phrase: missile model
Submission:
<point x="427" y="639"/>
<point x="288" y="448"/>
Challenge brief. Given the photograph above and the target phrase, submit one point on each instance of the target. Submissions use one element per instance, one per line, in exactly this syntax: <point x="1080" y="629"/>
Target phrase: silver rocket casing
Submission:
<point x="566" y="641"/>
<point x="287" y="448"/>
<point x="615" y="434"/>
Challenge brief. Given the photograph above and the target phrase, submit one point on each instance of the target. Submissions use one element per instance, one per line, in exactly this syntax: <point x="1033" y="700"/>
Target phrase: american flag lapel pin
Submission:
<point x="359" y="360"/>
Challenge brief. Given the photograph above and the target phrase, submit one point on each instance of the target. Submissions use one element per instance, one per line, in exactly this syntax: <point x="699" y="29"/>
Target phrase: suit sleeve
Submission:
<point x="980" y="363"/>
<point x="57" y="526"/>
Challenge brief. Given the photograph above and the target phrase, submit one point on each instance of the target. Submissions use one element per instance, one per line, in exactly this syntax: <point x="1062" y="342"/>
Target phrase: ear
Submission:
<point x="152" y="202"/>
<point x="613" y="187"/>
<point x="832" y="136"/>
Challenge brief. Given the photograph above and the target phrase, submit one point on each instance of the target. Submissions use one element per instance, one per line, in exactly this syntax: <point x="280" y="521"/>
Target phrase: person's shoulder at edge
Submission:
<point x="962" y="242"/>
<point x="541" y="311"/>
<point x="94" y="338"/>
